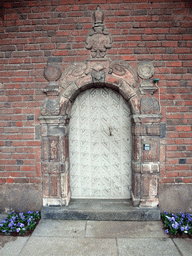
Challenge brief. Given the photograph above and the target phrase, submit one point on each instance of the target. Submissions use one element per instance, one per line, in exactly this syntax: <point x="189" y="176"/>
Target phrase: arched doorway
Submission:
<point x="55" y="118"/>
<point x="100" y="145"/>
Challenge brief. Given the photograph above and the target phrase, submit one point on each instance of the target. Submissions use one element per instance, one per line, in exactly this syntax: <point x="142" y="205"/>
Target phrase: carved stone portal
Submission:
<point x="145" y="119"/>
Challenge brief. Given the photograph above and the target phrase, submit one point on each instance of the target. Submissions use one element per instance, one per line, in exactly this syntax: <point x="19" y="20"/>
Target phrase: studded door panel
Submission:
<point x="100" y="145"/>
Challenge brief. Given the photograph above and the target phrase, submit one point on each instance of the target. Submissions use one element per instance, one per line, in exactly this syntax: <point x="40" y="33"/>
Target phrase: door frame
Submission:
<point x="145" y="118"/>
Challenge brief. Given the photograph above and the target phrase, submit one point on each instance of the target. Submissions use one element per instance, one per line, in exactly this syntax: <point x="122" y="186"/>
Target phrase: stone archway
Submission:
<point x="145" y="115"/>
<point x="55" y="117"/>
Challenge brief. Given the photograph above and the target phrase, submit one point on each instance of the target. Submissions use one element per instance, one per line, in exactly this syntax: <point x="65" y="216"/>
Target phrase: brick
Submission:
<point x="187" y="180"/>
<point x="183" y="128"/>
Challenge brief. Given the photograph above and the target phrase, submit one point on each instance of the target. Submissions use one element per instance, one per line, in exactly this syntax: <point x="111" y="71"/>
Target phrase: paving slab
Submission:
<point x="57" y="228"/>
<point x="50" y="246"/>
<point x="12" y="245"/>
<point x="184" y="245"/>
<point x="134" y="229"/>
<point x="149" y="247"/>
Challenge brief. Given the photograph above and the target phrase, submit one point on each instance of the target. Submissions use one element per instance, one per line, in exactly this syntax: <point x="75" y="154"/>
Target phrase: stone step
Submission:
<point x="103" y="210"/>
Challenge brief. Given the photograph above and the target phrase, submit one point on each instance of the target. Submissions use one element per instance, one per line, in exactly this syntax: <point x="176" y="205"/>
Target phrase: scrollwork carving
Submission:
<point x="118" y="69"/>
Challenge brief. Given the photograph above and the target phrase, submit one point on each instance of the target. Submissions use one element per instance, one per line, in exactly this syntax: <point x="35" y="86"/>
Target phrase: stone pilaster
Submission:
<point x="146" y="159"/>
<point x="55" y="160"/>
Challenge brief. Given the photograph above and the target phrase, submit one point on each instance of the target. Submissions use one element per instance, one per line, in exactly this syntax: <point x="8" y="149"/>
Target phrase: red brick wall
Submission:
<point x="34" y="33"/>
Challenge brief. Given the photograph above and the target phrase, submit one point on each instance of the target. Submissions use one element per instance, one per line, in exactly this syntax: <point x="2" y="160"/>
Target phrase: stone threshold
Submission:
<point x="100" y="210"/>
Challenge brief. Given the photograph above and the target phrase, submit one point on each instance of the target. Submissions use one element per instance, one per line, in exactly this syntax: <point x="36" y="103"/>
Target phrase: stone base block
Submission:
<point x="175" y="198"/>
<point x="20" y="197"/>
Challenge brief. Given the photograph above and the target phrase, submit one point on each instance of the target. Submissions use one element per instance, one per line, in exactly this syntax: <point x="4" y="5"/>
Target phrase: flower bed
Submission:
<point x="177" y="225"/>
<point x="20" y="223"/>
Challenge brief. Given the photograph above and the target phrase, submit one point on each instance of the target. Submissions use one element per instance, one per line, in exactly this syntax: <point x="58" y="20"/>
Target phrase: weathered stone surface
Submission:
<point x="134" y="105"/>
<point x="52" y="73"/>
<point x="149" y="186"/>
<point x="136" y="148"/>
<point x="149" y="105"/>
<point x="126" y="91"/>
<point x="184" y="245"/>
<point x="145" y="69"/>
<point x="129" y="229"/>
<point x="100" y="210"/>
<point x="70" y="246"/>
<point x="162" y="130"/>
<point x="125" y="71"/>
<point x="54" y="148"/>
<point x="151" y="155"/>
<point x="143" y="246"/>
<point x="12" y="245"/>
<point x="71" y="91"/>
<point x="72" y="72"/>
<point x="62" y="228"/>
<point x="50" y="107"/>
<point x="175" y="197"/>
<point x="20" y="197"/>
<point x="99" y="39"/>
<point x="150" y="167"/>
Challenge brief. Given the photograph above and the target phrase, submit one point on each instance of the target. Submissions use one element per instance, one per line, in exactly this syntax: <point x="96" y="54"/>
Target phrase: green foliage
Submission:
<point x="181" y="223"/>
<point x="19" y="222"/>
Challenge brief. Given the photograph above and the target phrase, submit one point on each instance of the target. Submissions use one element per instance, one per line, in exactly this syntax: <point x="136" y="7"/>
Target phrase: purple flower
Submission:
<point x="4" y="231"/>
<point x="1" y="225"/>
<point x="166" y="231"/>
<point x="18" y="229"/>
<point x="182" y="214"/>
<point x="182" y="228"/>
<point x="21" y="225"/>
<point x="10" y="224"/>
<point x="37" y="212"/>
<point x="3" y="221"/>
<point x="187" y="227"/>
<point x="29" y="212"/>
<point x="175" y="226"/>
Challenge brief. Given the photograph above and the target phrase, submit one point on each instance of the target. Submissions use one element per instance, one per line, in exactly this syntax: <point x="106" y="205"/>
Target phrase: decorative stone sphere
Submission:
<point x="145" y="69"/>
<point x="52" y="73"/>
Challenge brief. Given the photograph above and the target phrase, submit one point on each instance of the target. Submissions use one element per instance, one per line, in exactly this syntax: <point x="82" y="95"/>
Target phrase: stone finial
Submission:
<point x="99" y="39"/>
<point x="145" y="71"/>
<point x="52" y="73"/>
<point x="98" y="16"/>
<point x="50" y="106"/>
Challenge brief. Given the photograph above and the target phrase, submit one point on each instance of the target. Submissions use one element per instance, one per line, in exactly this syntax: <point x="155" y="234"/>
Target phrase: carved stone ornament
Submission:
<point x="99" y="39"/>
<point x="50" y="107"/>
<point x="149" y="105"/>
<point x="98" y="74"/>
<point x="145" y="69"/>
<point x="52" y="73"/>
